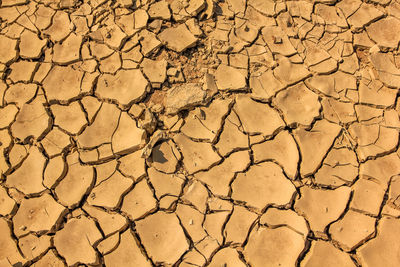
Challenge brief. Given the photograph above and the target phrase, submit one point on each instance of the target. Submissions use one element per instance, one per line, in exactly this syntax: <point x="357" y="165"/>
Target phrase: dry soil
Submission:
<point x="233" y="133"/>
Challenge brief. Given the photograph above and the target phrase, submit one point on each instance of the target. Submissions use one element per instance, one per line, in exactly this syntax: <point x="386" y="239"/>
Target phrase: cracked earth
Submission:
<point x="199" y="133"/>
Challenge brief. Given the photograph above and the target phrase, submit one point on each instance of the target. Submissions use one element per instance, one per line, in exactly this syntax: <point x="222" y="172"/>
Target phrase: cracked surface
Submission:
<point x="240" y="133"/>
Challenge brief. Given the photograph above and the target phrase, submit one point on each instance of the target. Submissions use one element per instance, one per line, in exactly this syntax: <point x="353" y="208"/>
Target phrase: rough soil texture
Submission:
<point x="199" y="133"/>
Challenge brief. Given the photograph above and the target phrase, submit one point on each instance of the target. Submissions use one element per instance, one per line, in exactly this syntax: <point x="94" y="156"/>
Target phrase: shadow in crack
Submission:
<point x="158" y="155"/>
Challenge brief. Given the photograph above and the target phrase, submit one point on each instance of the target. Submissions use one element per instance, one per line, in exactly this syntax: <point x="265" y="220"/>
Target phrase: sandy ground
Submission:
<point x="199" y="133"/>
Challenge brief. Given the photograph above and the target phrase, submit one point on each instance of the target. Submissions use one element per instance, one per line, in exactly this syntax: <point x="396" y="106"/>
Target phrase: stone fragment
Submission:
<point x="126" y="87"/>
<point x="382" y="250"/>
<point x="246" y="32"/>
<point x="324" y="253"/>
<point x="321" y="207"/>
<point x="181" y="97"/>
<point x="163" y="237"/>
<point x="263" y="184"/>
<point x="177" y="38"/>
<point x="109" y="192"/>
<point x="237" y="228"/>
<point x="32" y="121"/>
<point x="298" y="104"/>
<point x="257" y="118"/>
<point x="28" y="177"/>
<point x="278" y="41"/>
<point x="38" y="215"/>
<point x="127" y="253"/>
<point x="196" y="155"/>
<point x="265" y="247"/>
<point x="315" y="144"/>
<point x="352" y="230"/>
<point x="147" y="120"/>
<point x="76" y="240"/>
<point x="139" y="201"/>
<point x="229" y="78"/>
<point x="219" y="177"/>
